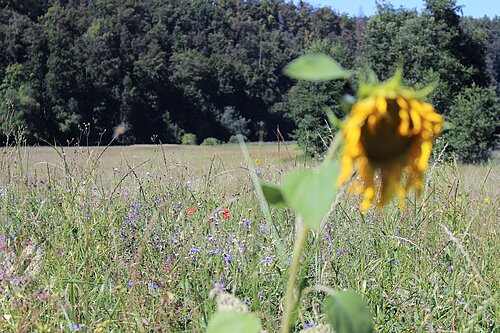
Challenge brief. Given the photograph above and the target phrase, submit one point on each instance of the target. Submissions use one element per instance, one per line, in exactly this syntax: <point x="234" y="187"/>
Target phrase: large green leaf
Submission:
<point x="273" y="194"/>
<point x="316" y="67"/>
<point x="347" y="313"/>
<point x="311" y="192"/>
<point x="229" y="321"/>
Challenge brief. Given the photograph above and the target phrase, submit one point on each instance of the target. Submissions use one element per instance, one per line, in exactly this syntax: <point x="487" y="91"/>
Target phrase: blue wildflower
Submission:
<point x="76" y="328"/>
<point x="267" y="261"/>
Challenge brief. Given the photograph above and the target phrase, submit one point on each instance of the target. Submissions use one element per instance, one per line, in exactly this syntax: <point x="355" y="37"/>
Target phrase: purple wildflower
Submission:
<point x="76" y="328"/>
<point x="267" y="260"/>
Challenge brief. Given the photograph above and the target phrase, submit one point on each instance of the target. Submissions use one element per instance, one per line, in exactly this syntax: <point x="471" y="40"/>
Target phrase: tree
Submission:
<point x="475" y="115"/>
<point x="307" y="102"/>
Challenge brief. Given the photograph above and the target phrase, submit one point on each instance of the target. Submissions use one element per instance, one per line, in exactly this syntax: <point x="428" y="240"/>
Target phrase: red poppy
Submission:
<point x="226" y="214"/>
<point x="191" y="210"/>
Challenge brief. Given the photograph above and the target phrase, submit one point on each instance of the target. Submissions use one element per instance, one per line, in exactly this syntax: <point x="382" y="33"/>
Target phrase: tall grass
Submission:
<point x="133" y="239"/>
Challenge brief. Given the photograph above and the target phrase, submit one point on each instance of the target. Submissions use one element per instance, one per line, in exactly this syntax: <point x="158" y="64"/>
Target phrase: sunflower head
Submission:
<point x="389" y="131"/>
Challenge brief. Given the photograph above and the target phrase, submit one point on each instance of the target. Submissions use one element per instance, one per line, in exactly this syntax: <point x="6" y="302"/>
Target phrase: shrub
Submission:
<point x="189" y="139"/>
<point x="211" y="142"/>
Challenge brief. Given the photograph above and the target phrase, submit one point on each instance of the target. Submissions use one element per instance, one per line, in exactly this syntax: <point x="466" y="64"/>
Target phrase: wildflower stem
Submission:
<point x="290" y="297"/>
<point x="333" y="150"/>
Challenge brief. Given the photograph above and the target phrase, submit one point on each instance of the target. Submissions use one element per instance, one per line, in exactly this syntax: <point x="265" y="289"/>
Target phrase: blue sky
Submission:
<point x="475" y="8"/>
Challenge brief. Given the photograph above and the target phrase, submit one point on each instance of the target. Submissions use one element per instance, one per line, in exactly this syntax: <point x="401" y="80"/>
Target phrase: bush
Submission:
<point x="475" y="115"/>
<point x="189" y="139"/>
<point x="211" y="142"/>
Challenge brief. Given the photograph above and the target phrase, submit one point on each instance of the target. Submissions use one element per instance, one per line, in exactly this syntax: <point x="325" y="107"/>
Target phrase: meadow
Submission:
<point x="133" y="239"/>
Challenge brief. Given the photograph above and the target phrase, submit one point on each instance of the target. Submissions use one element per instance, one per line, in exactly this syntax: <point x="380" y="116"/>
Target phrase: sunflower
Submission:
<point x="389" y="131"/>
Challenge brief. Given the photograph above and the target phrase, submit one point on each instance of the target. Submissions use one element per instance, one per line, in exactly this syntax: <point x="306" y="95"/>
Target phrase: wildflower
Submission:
<point x="257" y="161"/>
<point x="194" y="250"/>
<point x="267" y="261"/>
<point x="390" y="129"/>
<point x="191" y="210"/>
<point x="310" y="325"/>
<point x="226" y="214"/>
<point x="76" y="328"/>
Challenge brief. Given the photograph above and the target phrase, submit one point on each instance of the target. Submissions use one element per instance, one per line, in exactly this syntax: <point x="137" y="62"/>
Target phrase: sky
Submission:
<point x="475" y="8"/>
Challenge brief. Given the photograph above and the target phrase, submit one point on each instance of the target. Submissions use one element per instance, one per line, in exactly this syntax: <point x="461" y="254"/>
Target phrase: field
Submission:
<point x="133" y="239"/>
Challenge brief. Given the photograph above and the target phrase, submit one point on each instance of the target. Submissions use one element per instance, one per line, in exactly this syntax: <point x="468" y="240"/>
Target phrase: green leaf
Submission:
<point x="347" y="313"/>
<point x="273" y="194"/>
<point x="316" y="67"/>
<point x="311" y="192"/>
<point x="228" y="321"/>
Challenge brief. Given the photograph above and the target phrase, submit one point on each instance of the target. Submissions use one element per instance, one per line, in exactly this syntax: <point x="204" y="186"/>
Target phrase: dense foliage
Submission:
<point x="213" y="68"/>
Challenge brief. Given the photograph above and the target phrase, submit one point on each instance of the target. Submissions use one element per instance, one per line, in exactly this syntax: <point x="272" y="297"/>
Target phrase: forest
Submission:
<point x="75" y="69"/>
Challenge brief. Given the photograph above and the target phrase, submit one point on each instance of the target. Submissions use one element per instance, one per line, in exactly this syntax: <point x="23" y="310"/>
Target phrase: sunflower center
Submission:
<point x="382" y="142"/>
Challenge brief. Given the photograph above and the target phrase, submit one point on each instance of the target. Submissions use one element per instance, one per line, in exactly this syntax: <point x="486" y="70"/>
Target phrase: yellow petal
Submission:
<point x="416" y="121"/>
<point x="423" y="161"/>
<point x="404" y="126"/>
<point x="372" y="122"/>
<point x="402" y="103"/>
<point x="381" y="104"/>
<point x="346" y="170"/>
<point x="367" y="199"/>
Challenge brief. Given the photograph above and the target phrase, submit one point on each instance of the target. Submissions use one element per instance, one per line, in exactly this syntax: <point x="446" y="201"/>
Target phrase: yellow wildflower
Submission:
<point x="390" y="129"/>
<point x="257" y="161"/>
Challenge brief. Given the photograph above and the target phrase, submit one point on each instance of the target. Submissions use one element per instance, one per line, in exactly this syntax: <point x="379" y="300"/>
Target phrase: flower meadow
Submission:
<point x="147" y="239"/>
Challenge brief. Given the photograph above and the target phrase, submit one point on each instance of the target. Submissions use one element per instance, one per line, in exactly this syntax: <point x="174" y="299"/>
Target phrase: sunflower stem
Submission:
<point x="290" y="297"/>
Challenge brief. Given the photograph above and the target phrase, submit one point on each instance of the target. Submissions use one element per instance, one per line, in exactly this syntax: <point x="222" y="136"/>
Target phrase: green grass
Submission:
<point x="106" y="243"/>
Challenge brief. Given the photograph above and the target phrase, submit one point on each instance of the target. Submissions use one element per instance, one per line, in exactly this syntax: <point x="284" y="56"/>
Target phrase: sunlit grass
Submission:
<point x="131" y="240"/>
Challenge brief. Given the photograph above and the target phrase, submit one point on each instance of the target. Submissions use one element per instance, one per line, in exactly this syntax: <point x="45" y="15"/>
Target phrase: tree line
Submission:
<point x="214" y="68"/>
